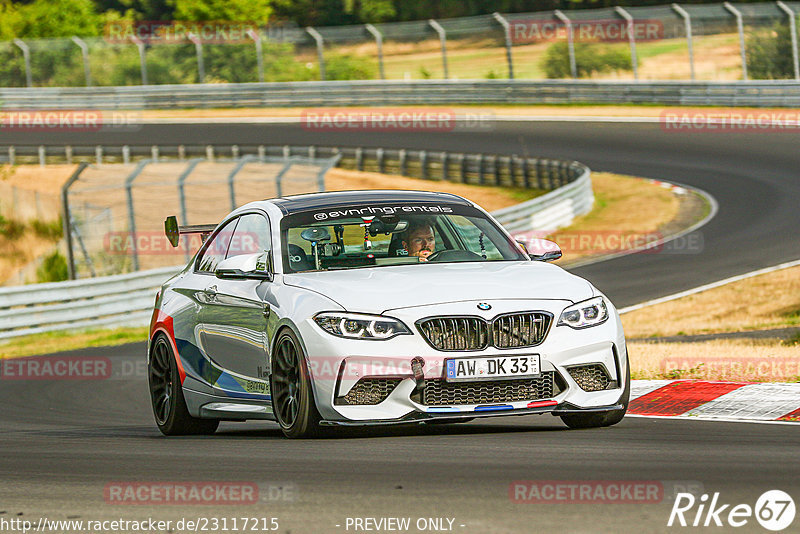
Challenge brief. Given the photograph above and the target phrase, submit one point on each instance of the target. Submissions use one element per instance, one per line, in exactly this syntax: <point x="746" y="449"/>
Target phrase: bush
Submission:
<point x="589" y="59"/>
<point x="53" y="268"/>
<point x="347" y="67"/>
<point x="11" y="229"/>
<point x="48" y="230"/>
<point x="769" y="54"/>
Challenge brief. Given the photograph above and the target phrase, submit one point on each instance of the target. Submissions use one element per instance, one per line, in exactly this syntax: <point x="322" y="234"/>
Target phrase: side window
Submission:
<point x="251" y="236"/>
<point x="217" y="249"/>
<point x="475" y="240"/>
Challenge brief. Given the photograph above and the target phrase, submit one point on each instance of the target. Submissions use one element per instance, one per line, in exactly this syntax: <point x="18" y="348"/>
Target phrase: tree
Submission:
<point x="257" y="11"/>
<point x="769" y="54"/>
<point x="44" y="18"/>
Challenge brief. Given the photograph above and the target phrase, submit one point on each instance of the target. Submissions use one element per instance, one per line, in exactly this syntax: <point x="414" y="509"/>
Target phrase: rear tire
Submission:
<point x="290" y="385"/>
<point x="597" y="420"/>
<point x="166" y="395"/>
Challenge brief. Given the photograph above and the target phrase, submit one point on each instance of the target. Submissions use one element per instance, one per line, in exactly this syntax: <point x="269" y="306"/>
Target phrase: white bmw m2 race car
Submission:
<point x="375" y="308"/>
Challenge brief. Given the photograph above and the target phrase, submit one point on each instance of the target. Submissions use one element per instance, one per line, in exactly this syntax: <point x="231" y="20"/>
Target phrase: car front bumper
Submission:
<point x="337" y="365"/>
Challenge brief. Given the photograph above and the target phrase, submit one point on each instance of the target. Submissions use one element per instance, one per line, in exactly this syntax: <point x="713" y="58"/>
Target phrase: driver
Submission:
<point x="419" y="239"/>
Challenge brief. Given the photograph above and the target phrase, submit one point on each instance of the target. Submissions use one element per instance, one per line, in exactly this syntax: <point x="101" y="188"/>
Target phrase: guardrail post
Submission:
<point x="26" y="55"/>
<point x="462" y="168"/>
<point x="231" y="183"/>
<point x="402" y="164"/>
<point x="320" y="50"/>
<point x="98" y="154"/>
<point x="526" y="174"/>
<point x="85" y="55"/>
<point x="131" y="214"/>
<point x="262" y="153"/>
<point x="182" y="199"/>
<point x="68" y="154"/>
<point x="126" y="154"/>
<point x="201" y="64"/>
<point x="359" y="159"/>
<point x="181" y="152"/>
<point x="379" y="42"/>
<point x="332" y="162"/>
<point x="235" y="151"/>
<point x="631" y="39"/>
<point x="209" y="152"/>
<point x="259" y="53"/>
<point x="793" y="29"/>
<point x="740" y="27"/>
<point x="443" y="39"/>
<point x="423" y="164"/>
<point x="287" y="151"/>
<point x="445" y="174"/>
<point x="142" y="57"/>
<point x="480" y="169"/>
<point x="66" y="221"/>
<point x="154" y="153"/>
<point x="687" y="22"/>
<point x="573" y="66"/>
<point x="12" y="155"/>
<point x="42" y="156"/>
<point x="379" y="158"/>
<point x="507" y="31"/>
<point x="312" y="151"/>
<point x="279" y="178"/>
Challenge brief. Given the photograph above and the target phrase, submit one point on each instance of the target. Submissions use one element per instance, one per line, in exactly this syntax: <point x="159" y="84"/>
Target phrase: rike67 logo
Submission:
<point x="774" y="510"/>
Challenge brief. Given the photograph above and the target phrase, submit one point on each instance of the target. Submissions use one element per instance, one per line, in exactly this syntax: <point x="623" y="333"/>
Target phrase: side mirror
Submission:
<point x="246" y="267"/>
<point x="541" y="249"/>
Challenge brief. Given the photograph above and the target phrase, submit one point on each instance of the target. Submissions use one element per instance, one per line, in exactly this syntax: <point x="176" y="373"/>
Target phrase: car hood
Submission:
<point x="378" y="289"/>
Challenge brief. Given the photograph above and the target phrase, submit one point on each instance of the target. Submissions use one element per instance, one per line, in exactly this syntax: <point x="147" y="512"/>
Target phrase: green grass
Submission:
<point x="62" y="341"/>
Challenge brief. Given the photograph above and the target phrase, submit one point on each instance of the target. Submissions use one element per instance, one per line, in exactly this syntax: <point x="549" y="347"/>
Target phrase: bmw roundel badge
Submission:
<point x="484" y="306"/>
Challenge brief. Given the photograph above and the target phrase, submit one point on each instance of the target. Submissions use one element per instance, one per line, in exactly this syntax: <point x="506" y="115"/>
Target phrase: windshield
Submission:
<point x="381" y="235"/>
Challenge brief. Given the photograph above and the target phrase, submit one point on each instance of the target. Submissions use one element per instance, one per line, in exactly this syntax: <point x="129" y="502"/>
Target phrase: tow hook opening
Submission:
<point x="417" y="367"/>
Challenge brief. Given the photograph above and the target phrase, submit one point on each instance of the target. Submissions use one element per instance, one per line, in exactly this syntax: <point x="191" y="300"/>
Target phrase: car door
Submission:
<point x="234" y="317"/>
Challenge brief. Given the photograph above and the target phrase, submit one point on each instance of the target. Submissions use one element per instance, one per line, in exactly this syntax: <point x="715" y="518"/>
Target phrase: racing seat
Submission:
<point x="396" y="246"/>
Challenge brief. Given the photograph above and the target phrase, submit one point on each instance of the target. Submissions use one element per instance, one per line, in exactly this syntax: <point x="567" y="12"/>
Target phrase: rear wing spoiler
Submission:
<point x="174" y="232"/>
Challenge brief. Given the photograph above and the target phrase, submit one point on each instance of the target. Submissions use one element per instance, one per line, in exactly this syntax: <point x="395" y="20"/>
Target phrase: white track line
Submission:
<point x="713" y="285"/>
<point x="714" y="208"/>
<point x="713" y="419"/>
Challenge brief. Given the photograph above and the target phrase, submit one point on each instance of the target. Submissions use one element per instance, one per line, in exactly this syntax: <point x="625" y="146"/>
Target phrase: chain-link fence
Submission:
<point x="115" y="213"/>
<point x="704" y="42"/>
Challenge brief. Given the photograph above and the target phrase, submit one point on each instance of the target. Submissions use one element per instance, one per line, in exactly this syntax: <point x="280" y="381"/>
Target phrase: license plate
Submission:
<point x="491" y="368"/>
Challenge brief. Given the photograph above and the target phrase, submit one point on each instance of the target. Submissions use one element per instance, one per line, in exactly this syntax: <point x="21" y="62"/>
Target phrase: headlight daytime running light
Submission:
<point x="360" y="325"/>
<point x="584" y="314"/>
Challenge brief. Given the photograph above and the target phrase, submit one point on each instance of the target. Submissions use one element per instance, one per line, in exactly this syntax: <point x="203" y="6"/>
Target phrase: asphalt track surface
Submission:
<point x="62" y="442"/>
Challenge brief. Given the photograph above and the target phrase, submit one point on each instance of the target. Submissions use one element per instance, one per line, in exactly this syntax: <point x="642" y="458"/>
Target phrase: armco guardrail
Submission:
<point x="551" y="211"/>
<point x="127" y="299"/>
<point x="424" y="92"/>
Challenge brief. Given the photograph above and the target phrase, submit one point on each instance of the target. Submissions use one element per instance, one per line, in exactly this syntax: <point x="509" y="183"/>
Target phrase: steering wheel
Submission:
<point x="454" y="255"/>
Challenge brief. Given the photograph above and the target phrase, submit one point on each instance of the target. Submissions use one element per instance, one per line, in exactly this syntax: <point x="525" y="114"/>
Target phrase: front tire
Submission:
<point x="166" y="395"/>
<point x="292" y="396"/>
<point x="597" y="420"/>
